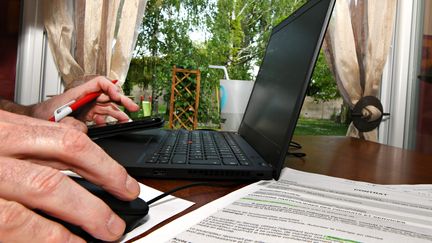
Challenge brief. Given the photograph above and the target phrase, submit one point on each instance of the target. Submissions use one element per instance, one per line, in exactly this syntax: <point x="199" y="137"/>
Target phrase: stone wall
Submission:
<point x="321" y="110"/>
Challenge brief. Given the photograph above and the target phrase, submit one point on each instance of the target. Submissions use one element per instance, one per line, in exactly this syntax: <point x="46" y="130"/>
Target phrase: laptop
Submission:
<point x="259" y="147"/>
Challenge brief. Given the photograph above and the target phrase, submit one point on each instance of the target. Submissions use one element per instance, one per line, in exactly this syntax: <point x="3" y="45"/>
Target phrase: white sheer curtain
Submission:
<point x="356" y="47"/>
<point x="92" y="37"/>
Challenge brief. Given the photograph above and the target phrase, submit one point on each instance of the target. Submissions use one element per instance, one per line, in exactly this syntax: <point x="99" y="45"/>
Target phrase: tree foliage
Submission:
<point x="323" y="85"/>
<point x="235" y="35"/>
<point x="240" y="30"/>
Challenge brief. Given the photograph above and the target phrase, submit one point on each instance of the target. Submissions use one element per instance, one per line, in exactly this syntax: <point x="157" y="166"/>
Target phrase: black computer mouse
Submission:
<point x="132" y="212"/>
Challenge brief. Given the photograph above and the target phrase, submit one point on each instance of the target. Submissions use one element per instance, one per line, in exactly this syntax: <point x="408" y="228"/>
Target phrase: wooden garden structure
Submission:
<point x="184" y="102"/>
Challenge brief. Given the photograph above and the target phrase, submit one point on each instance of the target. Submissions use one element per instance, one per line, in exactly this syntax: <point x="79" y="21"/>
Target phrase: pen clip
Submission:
<point x="63" y="111"/>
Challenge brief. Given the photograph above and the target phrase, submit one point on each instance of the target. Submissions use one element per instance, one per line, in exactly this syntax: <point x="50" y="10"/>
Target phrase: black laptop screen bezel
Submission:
<point x="253" y="137"/>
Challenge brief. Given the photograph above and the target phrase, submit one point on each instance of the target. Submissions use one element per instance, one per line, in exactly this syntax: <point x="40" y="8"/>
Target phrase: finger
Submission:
<point x="74" y="149"/>
<point x="99" y="84"/>
<point x="51" y="191"/>
<point x="50" y="163"/>
<point x="99" y="119"/>
<point x="19" y="224"/>
<point x="108" y="88"/>
<point x="103" y="98"/>
<point x="109" y="109"/>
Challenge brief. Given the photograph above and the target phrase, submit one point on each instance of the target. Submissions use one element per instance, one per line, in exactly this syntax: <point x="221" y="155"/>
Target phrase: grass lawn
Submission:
<point x="320" y="127"/>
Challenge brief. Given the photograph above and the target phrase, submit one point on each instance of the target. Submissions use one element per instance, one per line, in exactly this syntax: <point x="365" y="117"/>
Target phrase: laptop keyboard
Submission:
<point x="199" y="147"/>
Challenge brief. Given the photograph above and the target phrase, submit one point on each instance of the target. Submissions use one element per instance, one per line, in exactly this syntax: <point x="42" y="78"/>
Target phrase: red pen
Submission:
<point x="74" y="105"/>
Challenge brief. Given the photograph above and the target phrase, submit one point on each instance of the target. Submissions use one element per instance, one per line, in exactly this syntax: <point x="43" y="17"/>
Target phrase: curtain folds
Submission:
<point x="92" y="37"/>
<point x="356" y="47"/>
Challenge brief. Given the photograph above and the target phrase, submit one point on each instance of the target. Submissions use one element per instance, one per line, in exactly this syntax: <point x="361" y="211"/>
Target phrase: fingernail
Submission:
<point x="115" y="225"/>
<point x="132" y="185"/>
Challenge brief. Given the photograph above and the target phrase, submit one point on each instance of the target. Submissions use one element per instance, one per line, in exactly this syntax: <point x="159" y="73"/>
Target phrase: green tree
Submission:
<point x="164" y="42"/>
<point x="236" y="33"/>
<point x="240" y="30"/>
<point x="323" y="85"/>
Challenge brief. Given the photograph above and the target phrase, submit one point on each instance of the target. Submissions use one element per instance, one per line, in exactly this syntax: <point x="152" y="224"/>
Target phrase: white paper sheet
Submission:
<point x="308" y="207"/>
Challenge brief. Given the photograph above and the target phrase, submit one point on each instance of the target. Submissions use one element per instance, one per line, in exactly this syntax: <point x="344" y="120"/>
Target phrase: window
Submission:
<point x="423" y="118"/>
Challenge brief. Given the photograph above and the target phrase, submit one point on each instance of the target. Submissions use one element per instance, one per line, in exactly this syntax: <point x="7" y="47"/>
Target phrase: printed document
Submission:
<point x="306" y="207"/>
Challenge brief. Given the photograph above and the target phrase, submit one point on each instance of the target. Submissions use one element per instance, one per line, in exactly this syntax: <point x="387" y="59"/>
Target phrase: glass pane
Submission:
<point x="424" y="117"/>
<point x="9" y="29"/>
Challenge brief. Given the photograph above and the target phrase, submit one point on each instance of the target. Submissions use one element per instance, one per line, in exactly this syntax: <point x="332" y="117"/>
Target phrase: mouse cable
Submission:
<point x="296" y="154"/>
<point x="296" y="145"/>
<point x="212" y="184"/>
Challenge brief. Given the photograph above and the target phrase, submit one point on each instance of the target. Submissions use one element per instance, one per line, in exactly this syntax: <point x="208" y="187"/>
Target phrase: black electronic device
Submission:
<point x="116" y="128"/>
<point x="259" y="148"/>
<point x="132" y="212"/>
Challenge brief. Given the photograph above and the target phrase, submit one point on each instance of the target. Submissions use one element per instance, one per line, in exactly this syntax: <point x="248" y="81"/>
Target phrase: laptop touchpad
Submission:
<point x="131" y="147"/>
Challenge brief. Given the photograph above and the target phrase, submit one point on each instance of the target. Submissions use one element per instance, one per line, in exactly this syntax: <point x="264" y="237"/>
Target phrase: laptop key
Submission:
<point x="151" y="161"/>
<point x="246" y="163"/>
<point x="227" y="156"/>
<point x="204" y="162"/>
<point x="230" y="162"/>
<point x="196" y="157"/>
<point x="178" y="159"/>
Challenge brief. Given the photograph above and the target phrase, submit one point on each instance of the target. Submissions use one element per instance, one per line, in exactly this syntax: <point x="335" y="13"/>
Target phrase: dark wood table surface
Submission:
<point x="343" y="157"/>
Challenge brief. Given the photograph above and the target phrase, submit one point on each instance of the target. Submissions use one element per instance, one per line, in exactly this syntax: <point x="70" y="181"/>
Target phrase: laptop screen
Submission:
<point x="282" y="81"/>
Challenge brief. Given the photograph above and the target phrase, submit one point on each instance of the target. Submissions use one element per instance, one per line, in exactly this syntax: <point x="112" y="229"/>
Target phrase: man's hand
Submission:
<point x="105" y="105"/>
<point x="32" y="153"/>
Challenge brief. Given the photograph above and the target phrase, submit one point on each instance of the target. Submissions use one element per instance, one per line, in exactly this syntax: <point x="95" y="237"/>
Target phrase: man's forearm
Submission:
<point x="15" y="108"/>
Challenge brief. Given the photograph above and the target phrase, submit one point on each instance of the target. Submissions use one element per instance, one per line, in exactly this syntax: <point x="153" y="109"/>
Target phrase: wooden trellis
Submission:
<point x="185" y="90"/>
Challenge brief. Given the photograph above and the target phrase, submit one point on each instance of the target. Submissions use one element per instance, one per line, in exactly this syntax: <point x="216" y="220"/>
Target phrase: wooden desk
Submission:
<point x="342" y="157"/>
<point x="360" y="160"/>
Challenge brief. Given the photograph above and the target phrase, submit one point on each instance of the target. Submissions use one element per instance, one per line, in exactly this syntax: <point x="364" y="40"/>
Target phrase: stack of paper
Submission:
<point x="308" y="207"/>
